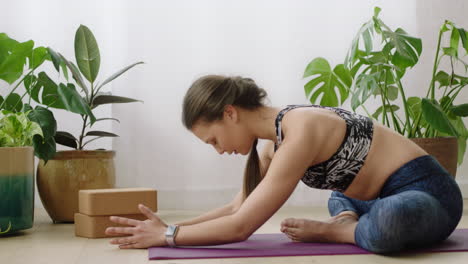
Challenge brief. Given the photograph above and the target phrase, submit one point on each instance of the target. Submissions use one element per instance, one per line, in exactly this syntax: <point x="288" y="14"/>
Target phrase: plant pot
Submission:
<point x="60" y="180"/>
<point x="16" y="189"/>
<point x="444" y="149"/>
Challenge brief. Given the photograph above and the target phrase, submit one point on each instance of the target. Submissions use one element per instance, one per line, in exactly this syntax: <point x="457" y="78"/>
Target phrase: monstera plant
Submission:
<point x="24" y="131"/>
<point x="374" y="68"/>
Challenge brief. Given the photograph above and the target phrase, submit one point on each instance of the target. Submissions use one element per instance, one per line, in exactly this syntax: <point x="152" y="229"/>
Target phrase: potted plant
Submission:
<point x="70" y="171"/>
<point x="433" y="121"/>
<point x="24" y="132"/>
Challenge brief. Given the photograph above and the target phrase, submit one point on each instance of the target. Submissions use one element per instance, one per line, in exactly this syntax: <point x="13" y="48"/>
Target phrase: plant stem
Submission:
<point x="434" y="69"/>
<point x="80" y="146"/>
<point x="16" y="86"/>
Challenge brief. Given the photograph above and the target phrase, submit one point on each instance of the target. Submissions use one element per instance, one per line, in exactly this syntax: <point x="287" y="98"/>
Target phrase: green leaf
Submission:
<point x="76" y="74"/>
<point x="45" y="118"/>
<point x="112" y="99"/>
<point x="461" y="149"/>
<point x="16" y="130"/>
<point x="87" y="53"/>
<point x="377" y="11"/>
<point x="103" y="119"/>
<point x="435" y="116"/>
<point x="49" y="95"/>
<point x="100" y="134"/>
<point x="73" y="101"/>
<point x="37" y="57"/>
<point x="6" y="46"/>
<point x="392" y="92"/>
<point x="462" y="34"/>
<point x="407" y="48"/>
<point x="11" y="68"/>
<point x="450" y="52"/>
<point x="327" y="82"/>
<point x="388" y="109"/>
<point x="117" y="74"/>
<point x="56" y="60"/>
<point x="366" y="85"/>
<point x="460" y="110"/>
<point x="44" y="149"/>
<point x="66" y="139"/>
<point x="13" y="102"/>
<point x="454" y="40"/>
<point x="444" y="79"/>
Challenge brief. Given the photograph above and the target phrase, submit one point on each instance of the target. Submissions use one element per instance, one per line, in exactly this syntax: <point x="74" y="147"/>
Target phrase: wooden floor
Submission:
<point x="56" y="243"/>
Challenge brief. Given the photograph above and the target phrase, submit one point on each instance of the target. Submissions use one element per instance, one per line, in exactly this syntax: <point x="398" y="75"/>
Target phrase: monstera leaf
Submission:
<point x="327" y="83"/>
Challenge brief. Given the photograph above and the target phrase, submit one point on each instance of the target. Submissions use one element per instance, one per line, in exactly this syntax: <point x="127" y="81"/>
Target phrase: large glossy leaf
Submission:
<point x="407" y="48"/>
<point x="101" y="134"/>
<point x="112" y="99"/>
<point x="44" y="149"/>
<point x="66" y="139"/>
<point x="73" y="101"/>
<point x="326" y="82"/>
<point x="13" y="103"/>
<point x="87" y="53"/>
<point x="45" y="119"/>
<point x="6" y="46"/>
<point x="37" y="57"/>
<point x="435" y="116"/>
<point x="11" y="68"/>
<point x="76" y="74"/>
<point x="460" y="110"/>
<point x="117" y="74"/>
<point x="49" y="94"/>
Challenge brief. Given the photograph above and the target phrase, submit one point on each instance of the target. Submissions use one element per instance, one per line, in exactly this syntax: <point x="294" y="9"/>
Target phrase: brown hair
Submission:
<point x="206" y="100"/>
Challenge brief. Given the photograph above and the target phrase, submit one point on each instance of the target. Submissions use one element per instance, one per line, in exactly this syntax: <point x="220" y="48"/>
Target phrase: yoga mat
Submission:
<point x="275" y="245"/>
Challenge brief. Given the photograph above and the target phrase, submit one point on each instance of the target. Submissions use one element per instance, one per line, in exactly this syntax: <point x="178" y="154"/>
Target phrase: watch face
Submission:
<point x="170" y="230"/>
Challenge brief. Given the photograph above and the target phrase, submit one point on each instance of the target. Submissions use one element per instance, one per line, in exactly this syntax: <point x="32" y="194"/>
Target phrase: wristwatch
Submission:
<point x="171" y="233"/>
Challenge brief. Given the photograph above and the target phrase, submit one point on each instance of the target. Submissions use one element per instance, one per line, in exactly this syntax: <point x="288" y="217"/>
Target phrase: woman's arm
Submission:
<point x="235" y="204"/>
<point x="302" y="142"/>
<point x="295" y="155"/>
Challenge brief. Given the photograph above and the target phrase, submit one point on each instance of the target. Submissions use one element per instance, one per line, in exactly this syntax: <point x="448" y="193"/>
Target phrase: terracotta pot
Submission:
<point x="16" y="189"/>
<point x="62" y="177"/>
<point x="444" y="149"/>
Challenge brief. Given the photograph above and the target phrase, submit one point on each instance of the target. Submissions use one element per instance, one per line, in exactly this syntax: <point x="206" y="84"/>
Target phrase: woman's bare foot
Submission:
<point x="338" y="229"/>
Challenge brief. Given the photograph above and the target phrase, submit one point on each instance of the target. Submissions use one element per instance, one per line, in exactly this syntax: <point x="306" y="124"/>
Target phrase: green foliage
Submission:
<point x="83" y="98"/>
<point x="16" y="130"/>
<point x="371" y="71"/>
<point x="21" y="124"/>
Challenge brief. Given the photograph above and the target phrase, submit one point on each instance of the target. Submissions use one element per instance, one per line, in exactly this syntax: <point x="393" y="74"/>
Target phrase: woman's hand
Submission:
<point x="143" y="234"/>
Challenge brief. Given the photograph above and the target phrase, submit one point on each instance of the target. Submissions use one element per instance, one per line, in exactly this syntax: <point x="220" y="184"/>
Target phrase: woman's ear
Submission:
<point x="230" y="113"/>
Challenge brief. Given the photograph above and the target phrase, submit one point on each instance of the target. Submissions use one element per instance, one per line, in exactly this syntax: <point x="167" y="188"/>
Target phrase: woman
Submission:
<point x="389" y="194"/>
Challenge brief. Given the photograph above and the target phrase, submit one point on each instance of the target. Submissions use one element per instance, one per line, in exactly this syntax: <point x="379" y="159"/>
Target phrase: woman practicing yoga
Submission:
<point x="388" y="193"/>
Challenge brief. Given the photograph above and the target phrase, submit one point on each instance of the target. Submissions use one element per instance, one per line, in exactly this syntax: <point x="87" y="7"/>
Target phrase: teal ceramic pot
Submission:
<point x="16" y="189"/>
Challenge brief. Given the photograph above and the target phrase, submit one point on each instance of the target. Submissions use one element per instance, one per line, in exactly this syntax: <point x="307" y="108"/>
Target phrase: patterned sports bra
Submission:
<point x="339" y="170"/>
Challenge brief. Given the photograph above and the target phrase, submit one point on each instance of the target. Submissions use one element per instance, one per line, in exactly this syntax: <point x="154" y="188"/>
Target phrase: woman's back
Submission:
<point x="388" y="150"/>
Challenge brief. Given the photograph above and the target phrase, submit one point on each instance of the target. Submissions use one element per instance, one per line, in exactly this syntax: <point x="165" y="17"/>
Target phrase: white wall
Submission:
<point x="270" y="41"/>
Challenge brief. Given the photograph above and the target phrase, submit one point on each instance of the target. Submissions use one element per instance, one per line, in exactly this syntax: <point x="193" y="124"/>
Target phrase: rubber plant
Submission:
<point x="18" y="116"/>
<point x="376" y="71"/>
<point x="87" y="97"/>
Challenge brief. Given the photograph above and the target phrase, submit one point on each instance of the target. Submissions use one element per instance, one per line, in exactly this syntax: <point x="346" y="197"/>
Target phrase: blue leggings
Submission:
<point x="419" y="205"/>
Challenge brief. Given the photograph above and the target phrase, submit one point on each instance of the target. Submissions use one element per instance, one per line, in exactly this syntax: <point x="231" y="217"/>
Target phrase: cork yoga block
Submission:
<point x="117" y="201"/>
<point x="95" y="226"/>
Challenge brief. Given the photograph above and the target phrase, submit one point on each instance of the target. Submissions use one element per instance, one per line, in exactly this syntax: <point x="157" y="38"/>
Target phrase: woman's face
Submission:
<point x="227" y="135"/>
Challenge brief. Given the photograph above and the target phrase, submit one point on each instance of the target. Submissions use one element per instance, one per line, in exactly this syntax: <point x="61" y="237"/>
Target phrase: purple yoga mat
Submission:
<point x="274" y="245"/>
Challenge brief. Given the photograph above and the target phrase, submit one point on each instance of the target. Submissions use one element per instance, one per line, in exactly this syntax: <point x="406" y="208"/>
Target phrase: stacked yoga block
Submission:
<point x="97" y="205"/>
